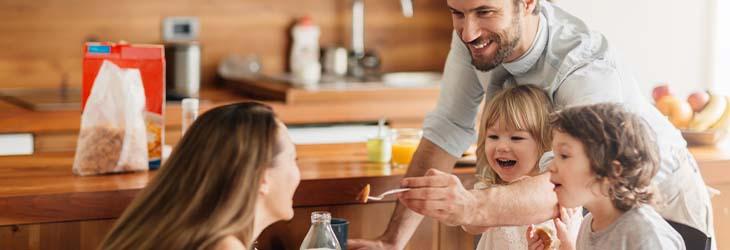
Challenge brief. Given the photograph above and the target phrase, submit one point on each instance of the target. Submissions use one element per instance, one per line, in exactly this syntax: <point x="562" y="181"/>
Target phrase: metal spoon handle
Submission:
<point x="395" y="191"/>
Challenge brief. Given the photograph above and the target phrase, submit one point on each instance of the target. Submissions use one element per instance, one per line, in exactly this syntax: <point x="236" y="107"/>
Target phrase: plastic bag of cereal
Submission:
<point x="113" y="136"/>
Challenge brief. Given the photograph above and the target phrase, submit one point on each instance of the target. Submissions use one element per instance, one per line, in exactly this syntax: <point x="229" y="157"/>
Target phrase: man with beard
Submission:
<point x="498" y="43"/>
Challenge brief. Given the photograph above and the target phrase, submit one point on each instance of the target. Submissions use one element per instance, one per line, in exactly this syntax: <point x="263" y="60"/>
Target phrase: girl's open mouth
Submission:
<point x="506" y="163"/>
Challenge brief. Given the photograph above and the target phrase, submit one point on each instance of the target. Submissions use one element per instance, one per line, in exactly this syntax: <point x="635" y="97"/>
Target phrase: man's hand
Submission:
<point x="440" y="196"/>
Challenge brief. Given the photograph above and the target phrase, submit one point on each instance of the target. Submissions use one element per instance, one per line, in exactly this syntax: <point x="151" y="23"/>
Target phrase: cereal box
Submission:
<point x="150" y="60"/>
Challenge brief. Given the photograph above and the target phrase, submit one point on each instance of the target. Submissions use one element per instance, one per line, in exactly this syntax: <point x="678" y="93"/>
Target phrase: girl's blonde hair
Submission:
<point x="523" y="107"/>
<point x="208" y="187"/>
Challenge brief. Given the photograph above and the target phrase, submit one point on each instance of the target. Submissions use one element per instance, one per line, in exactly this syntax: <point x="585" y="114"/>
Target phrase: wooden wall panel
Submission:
<point x="46" y="36"/>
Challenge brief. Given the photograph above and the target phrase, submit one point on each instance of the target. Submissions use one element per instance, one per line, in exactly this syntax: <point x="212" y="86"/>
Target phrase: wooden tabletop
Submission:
<point x="41" y="188"/>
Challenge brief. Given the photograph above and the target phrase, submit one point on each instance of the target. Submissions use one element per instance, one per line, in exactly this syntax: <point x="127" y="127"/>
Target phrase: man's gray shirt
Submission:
<point x="574" y="65"/>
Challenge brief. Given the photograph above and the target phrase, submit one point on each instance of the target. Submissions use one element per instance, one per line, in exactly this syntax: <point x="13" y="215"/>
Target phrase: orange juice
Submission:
<point x="403" y="152"/>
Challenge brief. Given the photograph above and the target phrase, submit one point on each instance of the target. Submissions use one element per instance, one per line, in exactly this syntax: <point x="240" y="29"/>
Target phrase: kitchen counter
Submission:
<point x="41" y="188"/>
<point x="41" y="199"/>
<point x="44" y="206"/>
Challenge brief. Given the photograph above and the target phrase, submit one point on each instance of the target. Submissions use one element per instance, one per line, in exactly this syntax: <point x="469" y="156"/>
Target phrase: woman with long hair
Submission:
<point x="231" y="175"/>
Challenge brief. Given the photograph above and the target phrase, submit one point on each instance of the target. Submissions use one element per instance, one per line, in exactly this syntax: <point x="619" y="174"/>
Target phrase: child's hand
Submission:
<point x="533" y="242"/>
<point x="567" y="226"/>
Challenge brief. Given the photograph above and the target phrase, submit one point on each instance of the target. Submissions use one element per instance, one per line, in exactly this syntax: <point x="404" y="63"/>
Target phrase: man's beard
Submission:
<point x="505" y="47"/>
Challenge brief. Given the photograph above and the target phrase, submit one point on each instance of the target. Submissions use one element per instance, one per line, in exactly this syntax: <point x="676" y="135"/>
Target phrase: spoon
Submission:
<point x="389" y="192"/>
<point x="364" y="195"/>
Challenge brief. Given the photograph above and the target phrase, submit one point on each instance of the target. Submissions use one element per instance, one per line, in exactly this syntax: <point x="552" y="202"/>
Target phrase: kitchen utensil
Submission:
<point x="335" y="61"/>
<point x="183" y="68"/>
<point x="389" y="192"/>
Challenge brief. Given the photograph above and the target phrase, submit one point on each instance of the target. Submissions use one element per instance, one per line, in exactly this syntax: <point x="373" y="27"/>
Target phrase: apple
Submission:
<point x="698" y="100"/>
<point x="660" y="91"/>
<point x="678" y="112"/>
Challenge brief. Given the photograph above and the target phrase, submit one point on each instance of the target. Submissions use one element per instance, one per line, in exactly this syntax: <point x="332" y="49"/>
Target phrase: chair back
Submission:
<point x="693" y="238"/>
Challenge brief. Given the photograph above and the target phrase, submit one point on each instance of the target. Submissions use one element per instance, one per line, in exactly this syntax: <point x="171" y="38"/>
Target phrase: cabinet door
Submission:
<point x="82" y="235"/>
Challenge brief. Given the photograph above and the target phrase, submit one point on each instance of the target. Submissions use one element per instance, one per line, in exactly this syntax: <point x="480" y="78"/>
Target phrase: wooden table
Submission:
<point x="40" y="190"/>
<point x="43" y="205"/>
<point x="39" y="193"/>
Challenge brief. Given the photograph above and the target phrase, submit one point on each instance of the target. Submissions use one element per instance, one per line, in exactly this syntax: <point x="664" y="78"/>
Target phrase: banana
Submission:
<point x="724" y="122"/>
<point x="710" y="115"/>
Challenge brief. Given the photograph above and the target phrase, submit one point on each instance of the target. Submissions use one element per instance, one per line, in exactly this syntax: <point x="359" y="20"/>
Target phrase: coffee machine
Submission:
<point x="182" y="55"/>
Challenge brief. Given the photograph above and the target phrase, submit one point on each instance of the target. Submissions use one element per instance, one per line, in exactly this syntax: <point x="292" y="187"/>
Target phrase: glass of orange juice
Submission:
<point x="405" y="142"/>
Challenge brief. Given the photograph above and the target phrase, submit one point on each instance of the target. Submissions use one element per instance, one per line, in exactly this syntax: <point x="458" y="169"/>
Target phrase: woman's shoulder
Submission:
<point x="229" y="242"/>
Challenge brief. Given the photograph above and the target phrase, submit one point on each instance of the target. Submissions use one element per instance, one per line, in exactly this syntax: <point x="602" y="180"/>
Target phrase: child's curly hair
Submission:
<point x="620" y="146"/>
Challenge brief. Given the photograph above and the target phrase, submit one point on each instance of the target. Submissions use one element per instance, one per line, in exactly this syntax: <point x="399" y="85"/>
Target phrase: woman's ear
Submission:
<point x="265" y="182"/>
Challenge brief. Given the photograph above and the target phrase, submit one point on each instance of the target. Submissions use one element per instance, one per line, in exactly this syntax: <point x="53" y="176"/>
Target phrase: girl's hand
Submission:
<point x="567" y="226"/>
<point x="533" y="241"/>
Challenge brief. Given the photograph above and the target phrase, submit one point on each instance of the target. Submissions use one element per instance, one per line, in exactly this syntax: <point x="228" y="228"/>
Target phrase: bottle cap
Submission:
<point x="321" y="216"/>
<point x="305" y="21"/>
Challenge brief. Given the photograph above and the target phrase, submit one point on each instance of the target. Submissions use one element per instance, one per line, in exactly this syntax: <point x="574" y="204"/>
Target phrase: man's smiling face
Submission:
<point x="491" y="29"/>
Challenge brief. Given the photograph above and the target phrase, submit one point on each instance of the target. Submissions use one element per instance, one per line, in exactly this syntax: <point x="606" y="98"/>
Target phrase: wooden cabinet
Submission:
<point x="77" y="235"/>
<point x="366" y="221"/>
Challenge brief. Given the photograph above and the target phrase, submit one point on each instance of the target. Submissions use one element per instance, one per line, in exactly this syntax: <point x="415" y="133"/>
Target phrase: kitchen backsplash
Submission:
<point x="42" y="40"/>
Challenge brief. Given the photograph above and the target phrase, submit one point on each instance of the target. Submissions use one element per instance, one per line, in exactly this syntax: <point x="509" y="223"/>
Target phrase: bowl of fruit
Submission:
<point x="704" y="118"/>
<point x="709" y="137"/>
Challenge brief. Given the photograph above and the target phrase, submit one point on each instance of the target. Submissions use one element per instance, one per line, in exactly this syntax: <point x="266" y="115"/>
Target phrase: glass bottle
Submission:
<point x="405" y="142"/>
<point x="189" y="113"/>
<point x="320" y="235"/>
<point x="379" y="146"/>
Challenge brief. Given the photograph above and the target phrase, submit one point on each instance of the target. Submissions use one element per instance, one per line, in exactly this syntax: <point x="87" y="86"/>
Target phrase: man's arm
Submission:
<point x="403" y="222"/>
<point x="441" y="196"/>
<point x="448" y="132"/>
<point x="529" y="201"/>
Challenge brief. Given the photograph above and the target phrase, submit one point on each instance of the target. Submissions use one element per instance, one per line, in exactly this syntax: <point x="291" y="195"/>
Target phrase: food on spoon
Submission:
<point x="364" y="193"/>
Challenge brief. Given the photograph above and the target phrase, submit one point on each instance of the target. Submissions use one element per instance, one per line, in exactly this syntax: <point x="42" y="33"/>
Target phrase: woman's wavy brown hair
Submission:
<point x="620" y="146"/>
<point x="208" y="187"/>
<point x="523" y="107"/>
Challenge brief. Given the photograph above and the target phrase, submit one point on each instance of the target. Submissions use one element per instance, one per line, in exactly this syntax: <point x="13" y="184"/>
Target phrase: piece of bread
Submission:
<point x="545" y="236"/>
<point x="364" y="193"/>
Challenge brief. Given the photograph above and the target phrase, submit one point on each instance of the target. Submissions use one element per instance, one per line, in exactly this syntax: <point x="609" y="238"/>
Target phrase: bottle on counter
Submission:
<point x="320" y="235"/>
<point x="304" y="57"/>
<point x="190" y="107"/>
<point x="379" y="146"/>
